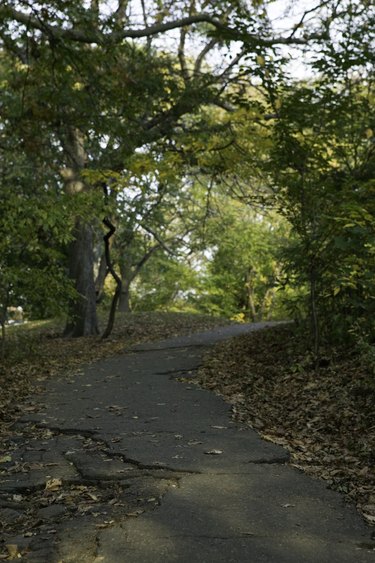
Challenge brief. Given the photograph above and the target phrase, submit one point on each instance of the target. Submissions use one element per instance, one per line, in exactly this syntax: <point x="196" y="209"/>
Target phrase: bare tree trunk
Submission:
<point x="124" y="303"/>
<point x="112" y="313"/>
<point x="250" y="302"/>
<point x="267" y="304"/>
<point x="100" y="279"/>
<point x="314" y="318"/>
<point x="130" y="271"/>
<point x="82" y="310"/>
<point x="3" y="318"/>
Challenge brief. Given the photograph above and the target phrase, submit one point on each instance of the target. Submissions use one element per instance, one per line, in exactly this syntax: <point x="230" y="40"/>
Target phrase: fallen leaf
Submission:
<point x="214" y="452"/>
<point x="370" y="519"/>
<point x="104" y="524"/>
<point x="53" y="484"/>
<point x="136" y="512"/>
<point x="369" y="509"/>
<point x="5" y="459"/>
<point x="13" y="552"/>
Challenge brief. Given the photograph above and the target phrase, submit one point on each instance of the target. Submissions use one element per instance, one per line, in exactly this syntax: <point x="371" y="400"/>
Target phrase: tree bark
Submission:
<point x="250" y="301"/>
<point x="112" y="313"/>
<point x="82" y="319"/>
<point x="82" y="310"/>
<point x="124" y="303"/>
<point x="100" y="279"/>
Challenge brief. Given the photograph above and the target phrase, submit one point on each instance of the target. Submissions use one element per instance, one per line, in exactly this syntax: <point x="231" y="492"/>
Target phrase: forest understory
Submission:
<point x="324" y="417"/>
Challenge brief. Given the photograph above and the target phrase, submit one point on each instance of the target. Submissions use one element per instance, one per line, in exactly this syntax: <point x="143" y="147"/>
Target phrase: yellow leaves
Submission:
<point x="261" y="61"/>
<point x="78" y="86"/>
<point x="238" y="318"/>
<point x="5" y="459"/>
<point x="13" y="552"/>
<point x="369" y="133"/>
<point x="53" y="485"/>
<point x="21" y="67"/>
<point x="94" y="177"/>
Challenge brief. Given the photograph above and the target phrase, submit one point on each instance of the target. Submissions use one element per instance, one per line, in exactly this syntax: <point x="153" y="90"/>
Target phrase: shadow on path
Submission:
<point x="169" y="477"/>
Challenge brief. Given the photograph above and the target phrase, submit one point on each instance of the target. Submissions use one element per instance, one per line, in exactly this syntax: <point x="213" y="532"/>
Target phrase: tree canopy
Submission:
<point x="186" y="127"/>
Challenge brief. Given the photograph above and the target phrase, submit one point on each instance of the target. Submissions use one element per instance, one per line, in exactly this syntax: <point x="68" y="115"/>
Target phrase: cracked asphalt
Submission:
<point x="124" y="462"/>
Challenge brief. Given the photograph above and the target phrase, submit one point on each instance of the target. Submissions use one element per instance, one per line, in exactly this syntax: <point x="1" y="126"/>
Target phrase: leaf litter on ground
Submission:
<point x="325" y="417"/>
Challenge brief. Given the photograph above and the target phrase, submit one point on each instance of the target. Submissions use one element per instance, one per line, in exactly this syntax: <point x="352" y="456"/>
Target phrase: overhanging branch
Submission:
<point x="96" y="36"/>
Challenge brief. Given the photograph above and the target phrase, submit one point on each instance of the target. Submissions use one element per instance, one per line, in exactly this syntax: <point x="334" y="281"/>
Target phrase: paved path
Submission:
<point x="166" y="474"/>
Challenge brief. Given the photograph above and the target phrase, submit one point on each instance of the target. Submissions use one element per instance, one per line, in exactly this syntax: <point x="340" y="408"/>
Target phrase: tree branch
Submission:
<point x="181" y="55"/>
<point x="111" y="230"/>
<point x="158" y="239"/>
<point x="206" y="49"/>
<point x="143" y="261"/>
<point x="98" y="37"/>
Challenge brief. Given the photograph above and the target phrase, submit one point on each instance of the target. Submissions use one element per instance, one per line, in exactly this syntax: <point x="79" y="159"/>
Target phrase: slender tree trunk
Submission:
<point x="267" y="305"/>
<point x="3" y="334"/>
<point x="314" y="317"/>
<point x="251" y="307"/>
<point x="250" y="301"/>
<point x="112" y="313"/>
<point x="100" y="278"/>
<point x="124" y="303"/>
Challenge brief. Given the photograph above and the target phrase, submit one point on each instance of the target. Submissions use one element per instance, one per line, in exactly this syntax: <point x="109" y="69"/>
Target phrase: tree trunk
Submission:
<point x="251" y="311"/>
<point x="124" y="304"/>
<point x="314" y="318"/>
<point x="82" y="320"/>
<point x="82" y="310"/>
<point x="250" y="297"/>
<point x="100" y="279"/>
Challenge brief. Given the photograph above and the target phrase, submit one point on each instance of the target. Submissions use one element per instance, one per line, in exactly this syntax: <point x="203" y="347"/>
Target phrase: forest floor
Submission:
<point x="325" y="417"/>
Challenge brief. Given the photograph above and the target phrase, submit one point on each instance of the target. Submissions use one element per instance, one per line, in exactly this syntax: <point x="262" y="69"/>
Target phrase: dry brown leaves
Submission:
<point x="325" y="418"/>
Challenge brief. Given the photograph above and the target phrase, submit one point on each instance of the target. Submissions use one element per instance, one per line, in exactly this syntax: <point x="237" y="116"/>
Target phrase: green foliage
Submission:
<point x="324" y="173"/>
<point x="242" y="265"/>
<point x="168" y="132"/>
<point x="166" y="284"/>
<point x="35" y="228"/>
<point x="32" y="248"/>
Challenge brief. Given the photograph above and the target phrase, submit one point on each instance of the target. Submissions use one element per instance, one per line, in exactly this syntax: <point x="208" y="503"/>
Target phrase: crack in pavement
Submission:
<point x="169" y="348"/>
<point x="179" y="372"/>
<point x="282" y="460"/>
<point x="111" y="477"/>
